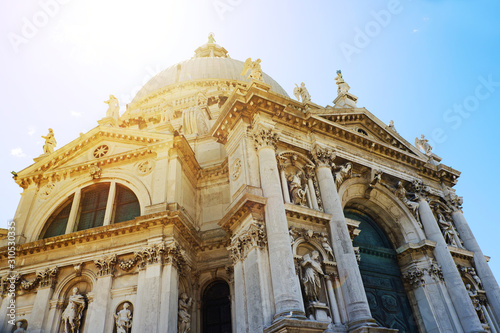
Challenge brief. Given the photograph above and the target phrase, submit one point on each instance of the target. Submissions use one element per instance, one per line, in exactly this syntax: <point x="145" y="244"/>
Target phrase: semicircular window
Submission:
<point x="381" y="276"/>
<point x="93" y="209"/>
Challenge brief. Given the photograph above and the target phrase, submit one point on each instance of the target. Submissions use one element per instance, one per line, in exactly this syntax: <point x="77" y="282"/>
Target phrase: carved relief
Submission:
<point x="415" y="276"/>
<point x="236" y="169"/>
<point x="145" y="167"/>
<point x="344" y="172"/>
<point x="95" y="171"/>
<point x="105" y="265"/>
<point x="43" y="278"/>
<point x="252" y="237"/>
<point x="453" y="201"/>
<point x="478" y="302"/>
<point x="323" y="156"/>
<point x="407" y="198"/>
<point x="184" y="315"/>
<point x="161" y="253"/>
<point x="46" y="190"/>
<point x="310" y="236"/>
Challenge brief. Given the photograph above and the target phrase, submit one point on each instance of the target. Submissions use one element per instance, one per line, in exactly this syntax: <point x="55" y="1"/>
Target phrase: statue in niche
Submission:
<point x="476" y="303"/>
<point x="311" y="276"/>
<point x="254" y="68"/>
<point x="423" y="144"/>
<point x="326" y="246"/>
<point x="449" y="233"/>
<point x="476" y="278"/>
<point x="343" y="87"/>
<point x="301" y="92"/>
<point x="113" y="107"/>
<point x="184" y="320"/>
<point x="297" y="192"/>
<point x="19" y="327"/>
<point x="402" y="194"/>
<point x="72" y="315"/>
<point x="50" y="142"/>
<point x="123" y="319"/>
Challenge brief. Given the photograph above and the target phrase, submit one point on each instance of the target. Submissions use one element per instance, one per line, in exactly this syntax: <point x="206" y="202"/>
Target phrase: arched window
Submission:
<point x="96" y="205"/>
<point x="216" y="308"/>
<point x="381" y="276"/>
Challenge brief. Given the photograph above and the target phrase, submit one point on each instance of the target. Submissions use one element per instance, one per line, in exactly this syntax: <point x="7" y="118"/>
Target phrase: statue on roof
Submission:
<point x="50" y="142"/>
<point x="211" y="38"/>
<point x="301" y="92"/>
<point x="343" y="87"/>
<point x="254" y="68"/>
<point x="423" y="145"/>
<point x="114" y="107"/>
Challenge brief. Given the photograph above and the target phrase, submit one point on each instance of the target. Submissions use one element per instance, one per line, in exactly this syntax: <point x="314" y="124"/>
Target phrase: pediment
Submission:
<point x="363" y="123"/>
<point x="101" y="145"/>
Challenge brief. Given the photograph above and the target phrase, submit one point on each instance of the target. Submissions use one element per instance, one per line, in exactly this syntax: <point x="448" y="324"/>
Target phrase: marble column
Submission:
<point x="169" y="298"/>
<point x="7" y="312"/>
<point x="286" y="287"/>
<point x="454" y="284"/>
<point x="333" y="301"/>
<point x="146" y="314"/>
<point x="37" y="319"/>
<point x="483" y="270"/>
<point x="241" y="322"/>
<point x="355" y="297"/>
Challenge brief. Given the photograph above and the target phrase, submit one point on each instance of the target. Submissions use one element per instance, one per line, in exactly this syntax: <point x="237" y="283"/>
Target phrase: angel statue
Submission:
<point x="114" y="107"/>
<point x="343" y="87"/>
<point x="301" y="92"/>
<point x="423" y="144"/>
<point x="254" y="68"/>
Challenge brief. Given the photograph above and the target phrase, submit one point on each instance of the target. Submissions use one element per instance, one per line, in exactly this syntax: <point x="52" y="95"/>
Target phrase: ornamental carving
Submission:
<point x="43" y="278"/>
<point x="252" y="237"/>
<point x="453" y="201"/>
<point x="101" y="151"/>
<point x="161" y="253"/>
<point x="95" y="171"/>
<point x="415" y="276"/>
<point x="46" y="190"/>
<point x="236" y="169"/>
<point x="343" y="173"/>
<point x="323" y="156"/>
<point x="265" y="138"/>
<point x="145" y="167"/>
<point x="310" y="236"/>
<point x="470" y="273"/>
<point x="450" y="234"/>
<point x="106" y="265"/>
<point x="408" y="198"/>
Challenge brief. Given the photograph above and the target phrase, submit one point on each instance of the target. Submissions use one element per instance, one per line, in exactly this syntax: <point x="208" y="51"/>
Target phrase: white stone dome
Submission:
<point x="210" y="62"/>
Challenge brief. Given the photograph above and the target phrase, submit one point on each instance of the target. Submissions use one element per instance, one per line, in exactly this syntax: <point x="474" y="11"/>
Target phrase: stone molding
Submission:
<point x="161" y="253"/>
<point x="323" y="157"/>
<point x="265" y="138"/>
<point x="254" y="236"/>
<point x="44" y="278"/>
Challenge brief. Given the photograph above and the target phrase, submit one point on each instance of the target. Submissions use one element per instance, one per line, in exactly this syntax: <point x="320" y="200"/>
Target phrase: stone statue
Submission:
<point x="301" y="92"/>
<point x="72" y="315"/>
<point x="401" y="193"/>
<point x="326" y="246"/>
<point x="114" y="107"/>
<point x="476" y="278"/>
<point x="344" y="172"/>
<point x="311" y="276"/>
<point x="343" y="87"/>
<point x="254" y="68"/>
<point x="184" y="320"/>
<point x="123" y="319"/>
<point x="211" y="38"/>
<point x="50" y="142"/>
<point x="449" y="233"/>
<point x="476" y="303"/>
<point x="297" y="193"/>
<point x="19" y="328"/>
<point x="423" y="144"/>
<point x="391" y="126"/>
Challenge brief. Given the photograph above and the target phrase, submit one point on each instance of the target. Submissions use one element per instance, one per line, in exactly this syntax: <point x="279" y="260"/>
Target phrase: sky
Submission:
<point x="431" y="66"/>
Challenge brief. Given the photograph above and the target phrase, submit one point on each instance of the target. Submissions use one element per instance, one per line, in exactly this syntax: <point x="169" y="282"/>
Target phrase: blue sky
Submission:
<point x="431" y="66"/>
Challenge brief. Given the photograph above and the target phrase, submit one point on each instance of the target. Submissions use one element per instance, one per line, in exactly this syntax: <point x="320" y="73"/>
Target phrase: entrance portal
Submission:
<point x="216" y="308"/>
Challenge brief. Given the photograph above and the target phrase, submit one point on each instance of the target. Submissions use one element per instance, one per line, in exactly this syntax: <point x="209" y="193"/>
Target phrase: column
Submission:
<point x="333" y="301"/>
<point x="241" y="321"/>
<point x="169" y="298"/>
<point x="456" y="289"/>
<point x="109" y="205"/>
<point x="73" y="214"/>
<point x="99" y="307"/>
<point x="356" y="303"/>
<point x="286" y="287"/>
<point x="284" y="184"/>
<point x="38" y="318"/>
<point x="483" y="270"/>
<point x="5" y="309"/>
<point x="312" y="192"/>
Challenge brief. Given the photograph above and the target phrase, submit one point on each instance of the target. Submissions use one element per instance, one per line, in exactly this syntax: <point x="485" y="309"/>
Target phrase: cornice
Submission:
<point x="247" y="204"/>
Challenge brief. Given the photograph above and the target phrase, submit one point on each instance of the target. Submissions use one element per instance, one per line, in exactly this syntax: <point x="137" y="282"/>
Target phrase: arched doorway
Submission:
<point x="216" y="310"/>
<point x="381" y="276"/>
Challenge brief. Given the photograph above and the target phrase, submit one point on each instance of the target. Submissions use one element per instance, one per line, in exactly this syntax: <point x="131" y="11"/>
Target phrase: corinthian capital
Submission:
<point x="106" y="265"/>
<point x="323" y="156"/>
<point x="265" y="138"/>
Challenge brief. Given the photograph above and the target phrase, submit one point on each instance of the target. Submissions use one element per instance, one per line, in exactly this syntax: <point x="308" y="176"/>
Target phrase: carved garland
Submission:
<point x="161" y="253"/>
<point x="253" y="237"/>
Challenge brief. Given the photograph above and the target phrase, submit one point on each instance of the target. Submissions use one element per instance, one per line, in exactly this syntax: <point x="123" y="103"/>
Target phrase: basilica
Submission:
<point x="217" y="203"/>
